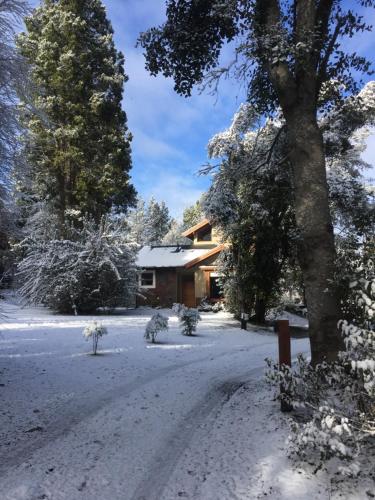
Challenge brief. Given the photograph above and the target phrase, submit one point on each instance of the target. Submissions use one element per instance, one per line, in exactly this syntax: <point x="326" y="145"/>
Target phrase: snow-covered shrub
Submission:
<point x="157" y="323"/>
<point x="94" y="331"/>
<point x="93" y="267"/>
<point x="188" y="318"/>
<point x="337" y="399"/>
<point x="206" y="306"/>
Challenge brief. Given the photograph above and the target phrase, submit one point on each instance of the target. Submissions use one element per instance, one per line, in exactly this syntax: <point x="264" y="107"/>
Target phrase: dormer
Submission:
<point x="202" y="235"/>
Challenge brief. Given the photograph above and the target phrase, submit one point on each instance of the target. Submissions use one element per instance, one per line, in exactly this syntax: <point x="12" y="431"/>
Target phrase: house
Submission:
<point x="181" y="273"/>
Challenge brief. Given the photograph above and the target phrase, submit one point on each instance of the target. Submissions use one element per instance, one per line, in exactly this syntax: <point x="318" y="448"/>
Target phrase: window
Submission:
<point x="147" y="279"/>
<point x="205" y="234"/>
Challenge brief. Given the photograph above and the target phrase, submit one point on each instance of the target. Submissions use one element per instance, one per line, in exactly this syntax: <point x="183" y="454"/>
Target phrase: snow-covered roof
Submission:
<point x="170" y="256"/>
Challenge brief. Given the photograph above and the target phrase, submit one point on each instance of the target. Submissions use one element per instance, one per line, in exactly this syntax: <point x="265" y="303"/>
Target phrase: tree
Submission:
<point x="137" y="222"/>
<point x="158" y="323"/>
<point x="251" y="200"/>
<point x="77" y="144"/>
<point x="94" y="331"/>
<point x="287" y="53"/>
<point x="193" y="215"/>
<point x="94" y="267"/>
<point x="13" y="79"/>
<point x="157" y="222"/>
<point x="174" y="235"/>
<point x="13" y="76"/>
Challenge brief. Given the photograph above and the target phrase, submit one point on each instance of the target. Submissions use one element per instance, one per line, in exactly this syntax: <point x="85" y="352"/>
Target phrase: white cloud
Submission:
<point x="178" y="190"/>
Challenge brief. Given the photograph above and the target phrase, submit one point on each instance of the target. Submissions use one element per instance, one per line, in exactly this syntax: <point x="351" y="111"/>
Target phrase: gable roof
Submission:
<point x="174" y="256"/>
<point x="168" y="256"/>
<point x="190" y="232"/>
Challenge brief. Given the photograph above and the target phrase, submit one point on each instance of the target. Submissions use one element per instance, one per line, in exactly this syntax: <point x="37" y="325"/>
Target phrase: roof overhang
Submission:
<point x="205" y="256"/>
<point x="190" y="232"/>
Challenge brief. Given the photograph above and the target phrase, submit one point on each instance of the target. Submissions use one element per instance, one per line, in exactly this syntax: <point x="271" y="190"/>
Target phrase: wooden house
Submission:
<point x="181" y="273"/>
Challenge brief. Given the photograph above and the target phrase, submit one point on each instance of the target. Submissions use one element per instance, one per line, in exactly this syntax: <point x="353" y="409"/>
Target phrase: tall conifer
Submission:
<point x="78" y="144"/>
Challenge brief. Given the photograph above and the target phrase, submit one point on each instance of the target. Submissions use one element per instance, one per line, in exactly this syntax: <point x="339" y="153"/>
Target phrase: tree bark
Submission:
<point x="317" y="249"/>
<point x="260" y="310"/>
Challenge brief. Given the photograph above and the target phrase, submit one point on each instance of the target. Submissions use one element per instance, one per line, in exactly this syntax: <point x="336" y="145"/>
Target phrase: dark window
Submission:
<point x="147" y="279"/>
<point x="215" y="289"/>
<point x="205" y="235"/>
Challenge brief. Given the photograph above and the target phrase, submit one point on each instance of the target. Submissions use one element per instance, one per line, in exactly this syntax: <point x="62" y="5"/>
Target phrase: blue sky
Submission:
<point x="171" y="132"/>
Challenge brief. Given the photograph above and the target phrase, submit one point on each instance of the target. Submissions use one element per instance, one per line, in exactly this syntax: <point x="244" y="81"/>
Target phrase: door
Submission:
<point x="188" y="290"/>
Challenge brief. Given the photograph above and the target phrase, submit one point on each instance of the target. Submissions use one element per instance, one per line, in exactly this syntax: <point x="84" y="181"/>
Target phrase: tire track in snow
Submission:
<point x="69" y="417"/>
<point x="163" y="463"/>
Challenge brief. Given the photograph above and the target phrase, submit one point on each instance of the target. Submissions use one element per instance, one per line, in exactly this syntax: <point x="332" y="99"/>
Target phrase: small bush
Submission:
<point x="94" y="331"/>
<point x="188" y="318"/>
<point x="157" y="323"/>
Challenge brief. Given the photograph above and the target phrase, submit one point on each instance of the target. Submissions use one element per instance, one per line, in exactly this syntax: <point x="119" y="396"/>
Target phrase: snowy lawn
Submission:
<point x="187" y="417"/>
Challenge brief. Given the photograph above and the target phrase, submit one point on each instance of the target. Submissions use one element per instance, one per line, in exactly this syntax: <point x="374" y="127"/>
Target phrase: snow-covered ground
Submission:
<point x="184" y="418"/>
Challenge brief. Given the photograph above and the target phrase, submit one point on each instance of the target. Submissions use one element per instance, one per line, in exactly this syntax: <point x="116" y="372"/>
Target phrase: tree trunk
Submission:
<point x="317" y="249"/>
<point x="260" y="310"/>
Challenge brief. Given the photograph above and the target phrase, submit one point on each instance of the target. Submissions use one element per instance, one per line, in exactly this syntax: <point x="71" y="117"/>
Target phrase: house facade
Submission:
<point x="181" y="273"/>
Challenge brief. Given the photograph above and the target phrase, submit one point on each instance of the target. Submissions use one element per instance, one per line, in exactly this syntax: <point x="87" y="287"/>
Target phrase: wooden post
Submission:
<point x="285" y="358"/>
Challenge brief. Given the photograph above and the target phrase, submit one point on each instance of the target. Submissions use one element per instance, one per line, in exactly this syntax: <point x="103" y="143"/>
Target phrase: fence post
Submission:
<point x="285" y="357"/>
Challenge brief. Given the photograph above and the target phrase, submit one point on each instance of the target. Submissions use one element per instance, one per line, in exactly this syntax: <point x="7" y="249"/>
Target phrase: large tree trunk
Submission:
<point x="317" y="250"/>
<point x="260" y="309"/>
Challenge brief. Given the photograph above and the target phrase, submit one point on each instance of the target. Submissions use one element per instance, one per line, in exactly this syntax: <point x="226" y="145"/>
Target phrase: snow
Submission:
<point x="187" y="417"/>
<point x="170" y="256"/>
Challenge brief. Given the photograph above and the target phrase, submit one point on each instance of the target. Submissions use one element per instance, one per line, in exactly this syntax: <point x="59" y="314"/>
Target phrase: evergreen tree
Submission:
<point x="193" y="215"/>
<point x="251" y="199"/>
<point x="174" y="235"/>
<point x="78" y="145"/>
<point x="157" y="222"/>
<point x="137" y="222"/>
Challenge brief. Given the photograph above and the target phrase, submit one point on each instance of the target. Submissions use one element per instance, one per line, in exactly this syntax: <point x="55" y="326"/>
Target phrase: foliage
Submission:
<point x="338" y="399"/>
<point x="290" y="57"/>
<point x="174" y="235"/>
<point x="94" y="268"/>
<point x="13" y="79"/>
<point x="77" y="145"/>
<point x="94" y="331"/>
<point x="137" y="222"/>
<point x="193" y="215"/>
<point x="157" y="323"/>
<point x="157" y="222"/>
<point x="188" y="318"/>
<point x="269" y="39"/>
<point x="251" y="201"/>
<point x="150" y="223"/>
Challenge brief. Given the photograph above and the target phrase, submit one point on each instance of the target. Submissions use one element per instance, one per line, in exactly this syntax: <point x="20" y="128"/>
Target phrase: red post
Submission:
<point x="285" y="357"/>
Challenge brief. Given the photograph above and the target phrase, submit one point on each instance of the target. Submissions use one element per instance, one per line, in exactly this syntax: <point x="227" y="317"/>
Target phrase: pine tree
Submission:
<point x="78" y="145"/>
<point x="174" y="235"/>
<point x="157" y="223"/>
<point x="137" y="222"/>
<point x="193" y="215"/>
